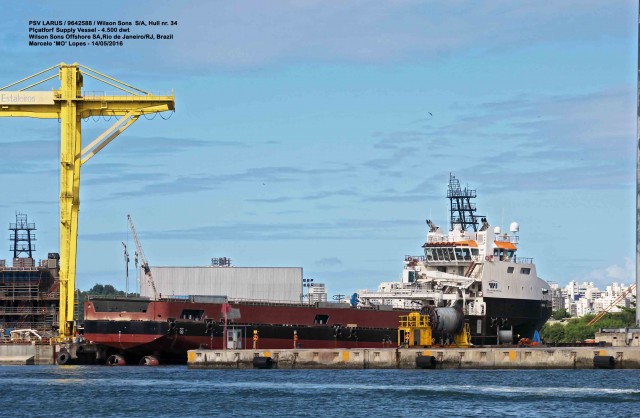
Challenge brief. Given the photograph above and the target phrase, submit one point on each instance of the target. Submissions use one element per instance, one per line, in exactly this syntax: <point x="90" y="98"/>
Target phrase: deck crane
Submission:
<point x="614" y="303"/>
<point x="70" y="104"/>
<point x="144" y="263"/>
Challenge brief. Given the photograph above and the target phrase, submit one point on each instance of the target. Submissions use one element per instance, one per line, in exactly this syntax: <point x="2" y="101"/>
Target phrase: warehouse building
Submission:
<point x="275" y="284"/>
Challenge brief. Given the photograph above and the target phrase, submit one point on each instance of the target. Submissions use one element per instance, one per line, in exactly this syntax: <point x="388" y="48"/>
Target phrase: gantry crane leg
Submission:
<point x="70" y="146"/>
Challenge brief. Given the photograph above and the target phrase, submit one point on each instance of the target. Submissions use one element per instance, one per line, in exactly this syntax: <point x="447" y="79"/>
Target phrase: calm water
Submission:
<point x="177" y="391"/>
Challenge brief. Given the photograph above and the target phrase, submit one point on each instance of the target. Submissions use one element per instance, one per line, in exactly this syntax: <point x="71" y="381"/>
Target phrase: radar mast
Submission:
<point x="462" y="208"/>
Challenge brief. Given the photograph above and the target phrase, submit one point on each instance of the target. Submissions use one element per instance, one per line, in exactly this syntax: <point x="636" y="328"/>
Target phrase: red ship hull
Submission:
<point x="169" y="328"/>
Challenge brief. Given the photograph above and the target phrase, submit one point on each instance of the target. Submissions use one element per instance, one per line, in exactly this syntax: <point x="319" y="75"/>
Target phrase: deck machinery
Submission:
<point x="434" y="326"/>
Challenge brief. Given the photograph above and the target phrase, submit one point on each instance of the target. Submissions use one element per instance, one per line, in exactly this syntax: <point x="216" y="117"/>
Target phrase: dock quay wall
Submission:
<point x="445" y="358"/>
<point x="26" y="354"/>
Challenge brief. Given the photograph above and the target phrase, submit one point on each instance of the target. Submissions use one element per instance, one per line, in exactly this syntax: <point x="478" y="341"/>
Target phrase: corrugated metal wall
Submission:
<point x="257" y="283"/>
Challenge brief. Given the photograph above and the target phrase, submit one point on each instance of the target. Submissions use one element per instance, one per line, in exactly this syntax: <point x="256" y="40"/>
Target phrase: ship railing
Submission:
<point x="11" y="268"/>
<point x="44" y="328"/>
<point x="25" y="310"/>
<point x="514" y="239"/>
<point x="475" y="308"/>
<point x="21" y="294"/>
<point x="522" y="260"/>
<point x="27" y="340"/>
<point x="414" y="258"/>
<point x="459" y="262"/>
<point x="120" y="297"/>
<point x="267" y="302"/>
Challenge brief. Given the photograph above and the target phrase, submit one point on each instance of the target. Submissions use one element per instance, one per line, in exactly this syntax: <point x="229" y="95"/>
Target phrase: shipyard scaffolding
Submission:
<point x="29" y="293"/>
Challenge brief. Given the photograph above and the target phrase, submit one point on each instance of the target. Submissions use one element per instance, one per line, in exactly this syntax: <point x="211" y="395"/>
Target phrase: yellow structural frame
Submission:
<point x="414" y="330"/>
<point x="70" y="107"/>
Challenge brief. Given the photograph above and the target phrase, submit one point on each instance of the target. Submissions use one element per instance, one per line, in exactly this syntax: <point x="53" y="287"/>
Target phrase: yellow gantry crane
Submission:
<point x="69" y="104"/>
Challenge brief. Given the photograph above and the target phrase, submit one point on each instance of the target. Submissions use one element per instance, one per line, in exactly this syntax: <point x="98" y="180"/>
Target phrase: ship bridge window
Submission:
<point x="510" y="269"/>
<point x="458" y="252"/>
<point x="525" y="270"/>
<point x="501" y="254"/>
<point x="321" y="319"/>
<point x="450" y="256"/>
<point x="439" y="255"/>
<point x="465" y="254"/>
<point x="412" y="276"/>
<point x="195" y="314"/>
<point x="429" y="253"/>
<point x="474" y="251"/>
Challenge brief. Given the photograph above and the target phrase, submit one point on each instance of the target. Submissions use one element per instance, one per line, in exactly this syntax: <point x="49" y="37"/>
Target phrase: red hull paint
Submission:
<point x="251" y="313"/>
<point x="171" y="328"/>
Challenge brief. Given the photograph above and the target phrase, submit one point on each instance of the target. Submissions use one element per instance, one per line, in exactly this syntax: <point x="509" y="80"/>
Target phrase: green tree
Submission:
<point x="577" y="330"/>
<point x="97" y="289"/>
<point x="552" y="333"/>
<point x="560" y="314"/>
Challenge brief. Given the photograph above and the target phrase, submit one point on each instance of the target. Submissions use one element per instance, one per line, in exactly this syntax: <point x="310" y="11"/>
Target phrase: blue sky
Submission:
<point x="321" y="134"/>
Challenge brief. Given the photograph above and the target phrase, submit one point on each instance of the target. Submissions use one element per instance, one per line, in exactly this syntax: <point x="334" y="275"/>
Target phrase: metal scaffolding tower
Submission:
<point x="21" y="237"/>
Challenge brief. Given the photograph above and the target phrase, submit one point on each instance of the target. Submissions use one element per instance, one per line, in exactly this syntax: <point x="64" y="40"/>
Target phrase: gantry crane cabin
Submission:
<point x="69" y="104"/>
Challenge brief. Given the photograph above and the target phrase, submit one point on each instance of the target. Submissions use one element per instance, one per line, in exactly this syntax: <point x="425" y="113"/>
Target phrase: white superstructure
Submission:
<point x="475" y="266"/>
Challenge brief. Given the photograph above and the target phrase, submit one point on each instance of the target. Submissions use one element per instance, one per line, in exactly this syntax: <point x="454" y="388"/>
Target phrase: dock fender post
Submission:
<point x="426" y="362"/>
<point x="260" y="362"/>
<point x="116" y="360"/>
<point x="63" y="358"/>
<point x="149" y="361"/>
<point x="604" y="362"/>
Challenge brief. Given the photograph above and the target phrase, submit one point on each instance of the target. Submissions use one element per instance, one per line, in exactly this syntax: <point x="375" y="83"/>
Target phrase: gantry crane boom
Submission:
<point x="143" y="259"/>
<point x="69" y="104"/>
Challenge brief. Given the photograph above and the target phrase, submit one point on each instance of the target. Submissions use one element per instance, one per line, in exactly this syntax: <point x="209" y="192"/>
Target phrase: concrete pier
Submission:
<point x="26" y="354"/>
<point x="445" y="358"/>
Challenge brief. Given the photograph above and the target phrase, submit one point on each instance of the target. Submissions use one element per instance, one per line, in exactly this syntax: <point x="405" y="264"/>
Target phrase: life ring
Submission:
<point x="489" y="258"/>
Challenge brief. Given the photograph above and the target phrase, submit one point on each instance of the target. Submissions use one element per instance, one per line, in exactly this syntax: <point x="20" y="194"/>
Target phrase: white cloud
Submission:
<point x="614" y="273"/>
